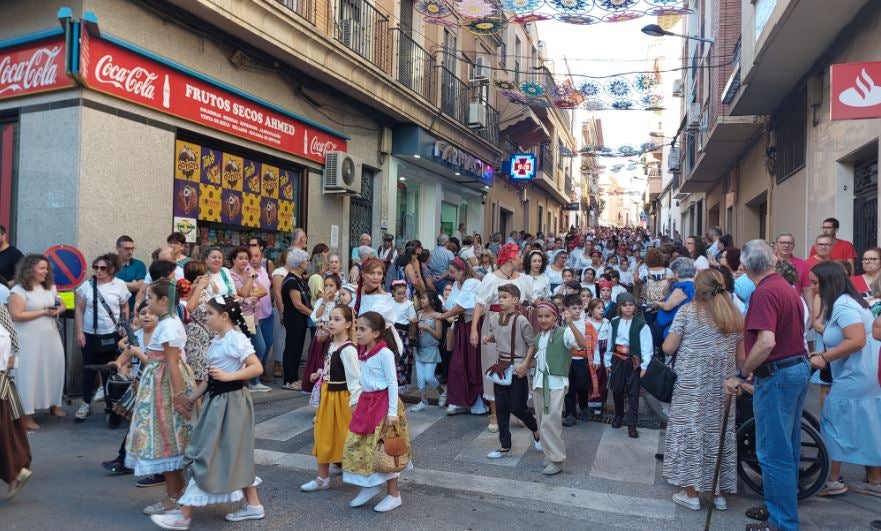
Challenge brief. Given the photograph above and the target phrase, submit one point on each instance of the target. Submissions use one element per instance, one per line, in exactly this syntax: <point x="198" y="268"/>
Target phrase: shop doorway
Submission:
<point x="865" y="204"/>
<point x="361" y="209"/>
<point x="506" y="222"/>
<point x="449" y="218"/>
<point x="8" y="166"/>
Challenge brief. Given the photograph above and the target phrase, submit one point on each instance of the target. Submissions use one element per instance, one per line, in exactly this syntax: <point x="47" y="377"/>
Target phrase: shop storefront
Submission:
<point x="106" y="137"/>
<point x="439" y="186"/>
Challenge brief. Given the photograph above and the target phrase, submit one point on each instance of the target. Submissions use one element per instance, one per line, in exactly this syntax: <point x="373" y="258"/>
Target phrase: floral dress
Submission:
<point x="198" y="338"/>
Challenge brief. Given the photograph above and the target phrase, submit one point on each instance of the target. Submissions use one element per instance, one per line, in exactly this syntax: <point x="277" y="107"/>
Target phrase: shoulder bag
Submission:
<point x="392" y="453"/>
<point x="103" y="342"/>
<point x="660" y="378"/>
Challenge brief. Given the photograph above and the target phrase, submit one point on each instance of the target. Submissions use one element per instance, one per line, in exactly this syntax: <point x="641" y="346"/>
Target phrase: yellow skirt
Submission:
<point x="331" y="425"/>
<point x="358" y="458"/>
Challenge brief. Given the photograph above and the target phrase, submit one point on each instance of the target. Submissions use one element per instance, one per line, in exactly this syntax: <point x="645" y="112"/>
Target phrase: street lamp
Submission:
<point x="653" y="30"/>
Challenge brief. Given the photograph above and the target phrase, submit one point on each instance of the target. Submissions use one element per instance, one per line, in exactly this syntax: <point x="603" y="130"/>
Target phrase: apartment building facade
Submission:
<point x="762" y="155"/>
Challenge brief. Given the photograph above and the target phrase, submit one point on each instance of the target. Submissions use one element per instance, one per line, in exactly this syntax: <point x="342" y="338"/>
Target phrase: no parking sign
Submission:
<point x="68" y="266"/>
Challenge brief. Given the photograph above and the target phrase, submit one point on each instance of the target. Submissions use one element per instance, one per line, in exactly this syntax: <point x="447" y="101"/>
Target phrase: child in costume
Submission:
<point x="340" y="389"/>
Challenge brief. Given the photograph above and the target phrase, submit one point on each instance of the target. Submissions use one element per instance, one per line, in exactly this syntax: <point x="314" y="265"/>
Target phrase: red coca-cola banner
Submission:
<point x="33" y="67"/>
<point x="110" y="68"/>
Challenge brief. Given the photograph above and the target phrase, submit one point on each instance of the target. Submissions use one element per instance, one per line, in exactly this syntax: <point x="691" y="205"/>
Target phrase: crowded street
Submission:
<point x="440" y="264"/>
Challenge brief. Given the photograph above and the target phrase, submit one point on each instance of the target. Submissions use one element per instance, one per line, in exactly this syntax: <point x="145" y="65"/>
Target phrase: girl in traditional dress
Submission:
<point x="15" y="452"/>
<point x="405" y="315"/>
<point x="220" y="460"/>
<point x="320" y="316"/>
<point x="161" y="427"/>
<point x="340" y="389"/>
<point x="378" y="407"/>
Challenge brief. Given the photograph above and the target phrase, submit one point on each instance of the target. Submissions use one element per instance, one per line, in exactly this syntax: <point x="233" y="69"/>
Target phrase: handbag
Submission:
<point x="392" y="453"/>
<point x="315" y="396"/>
<point x="659" y="379"/>
<point x="104" y="342"/>
<point x="502" y="373"/>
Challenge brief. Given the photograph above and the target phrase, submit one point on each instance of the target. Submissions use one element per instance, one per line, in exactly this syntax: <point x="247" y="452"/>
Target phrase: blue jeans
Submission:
<point x="777" y="405"/>
<point x="425" y="375"/>
<point x="259" y="349"/>
<point x="266" y="329"/>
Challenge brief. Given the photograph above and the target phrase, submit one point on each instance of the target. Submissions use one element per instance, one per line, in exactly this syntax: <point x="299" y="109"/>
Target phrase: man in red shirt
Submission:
<point x="841" y="249"/>
<point x="773" y="338"/>
<point x="783" y="247"/>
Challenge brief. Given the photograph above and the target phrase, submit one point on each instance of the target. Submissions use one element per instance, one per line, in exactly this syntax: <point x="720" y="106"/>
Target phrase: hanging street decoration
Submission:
<point x="579" y="12"/>
<point x="631" y="92"/>
<point x="625" y="151"/>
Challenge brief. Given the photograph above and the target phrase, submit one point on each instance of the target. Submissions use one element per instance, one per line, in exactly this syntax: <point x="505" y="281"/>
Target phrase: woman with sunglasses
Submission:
<point x="101" y="303"/>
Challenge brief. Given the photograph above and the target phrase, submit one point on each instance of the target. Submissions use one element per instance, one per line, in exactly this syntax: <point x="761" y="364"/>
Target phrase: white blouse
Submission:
<point x="464" y="297"/>
<point x="541" y="287"/>
<point x="379" y="373"/>
<point x="645" y="342"/>
<point x="488" y="293"/>
<point x="228" y="353"/>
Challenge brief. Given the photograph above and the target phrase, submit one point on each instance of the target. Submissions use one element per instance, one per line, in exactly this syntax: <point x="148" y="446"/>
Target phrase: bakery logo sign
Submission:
<point x="33" y="68"/>
<point x="855" y="91"/>
<point x="125" y="72"/>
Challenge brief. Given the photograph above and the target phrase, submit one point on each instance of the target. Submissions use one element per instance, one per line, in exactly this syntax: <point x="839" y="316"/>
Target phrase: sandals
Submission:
<point x="759" y="512"/>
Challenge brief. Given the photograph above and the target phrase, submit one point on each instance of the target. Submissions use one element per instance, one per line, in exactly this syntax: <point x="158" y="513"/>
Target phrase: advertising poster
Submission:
<point x="187" y="227"/>
<point x="186" y="198"/>
<point x="269" y="214"/>
<point x="231" y="207"/>
<point x="251" y="210"/>
<point x="270" y="181"/>
<point x="187" y="167"/>
<point x="209" y="203"/>
<point x="251" y="174"/>
<point x="285" y="216"/>
<point x="232" y="172"/>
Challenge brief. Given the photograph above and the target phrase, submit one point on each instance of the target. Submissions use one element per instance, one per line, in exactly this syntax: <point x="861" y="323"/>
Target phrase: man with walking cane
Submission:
<point x="777" y="359"/>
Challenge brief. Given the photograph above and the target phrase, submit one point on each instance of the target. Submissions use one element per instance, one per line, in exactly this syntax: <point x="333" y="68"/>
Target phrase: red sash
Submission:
<point x="372" y="408"/>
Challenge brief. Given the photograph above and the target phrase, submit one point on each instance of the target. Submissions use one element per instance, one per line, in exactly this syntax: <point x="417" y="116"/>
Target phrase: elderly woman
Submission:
<point x="705" y="335"/>
<point x="318" y="267"/>
<point x="851" y="419"/>
<point x="871" y="271"/>
<point x="681" y="292"/>
<point x="554" y="272"/>
<point x="295" y="295"/>
<point x="34" y="305"/>
<point x="100" y="304"/>
<point x="334" y="267"/>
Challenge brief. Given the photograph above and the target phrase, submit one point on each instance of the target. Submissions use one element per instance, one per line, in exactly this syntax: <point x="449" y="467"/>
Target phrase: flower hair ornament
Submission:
<point x="507" y="253"/>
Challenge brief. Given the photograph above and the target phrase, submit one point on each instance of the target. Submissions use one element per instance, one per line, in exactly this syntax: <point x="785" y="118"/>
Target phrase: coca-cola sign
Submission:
<point x="33" y="67"/>
<point x="121" y="71"/>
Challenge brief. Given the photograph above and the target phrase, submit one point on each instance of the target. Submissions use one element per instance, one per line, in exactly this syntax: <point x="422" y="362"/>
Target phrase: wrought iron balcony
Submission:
<point x="365" y="30"/>
<point x="490" y="133"/>
<point x="416" y="67"/>
<point x="454" y="97"/>
<point x="303" y="8"/>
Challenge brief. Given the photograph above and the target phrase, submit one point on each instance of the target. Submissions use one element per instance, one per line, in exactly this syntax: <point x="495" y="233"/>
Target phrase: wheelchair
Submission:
<point x="814" y="461"/>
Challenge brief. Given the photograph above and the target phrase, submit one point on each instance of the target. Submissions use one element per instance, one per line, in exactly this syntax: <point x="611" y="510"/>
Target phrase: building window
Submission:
<point x="792" y="137"/>
<point x="503" y="52"/>
<point x="517" y="50"/>
<point x="764" y="8"/>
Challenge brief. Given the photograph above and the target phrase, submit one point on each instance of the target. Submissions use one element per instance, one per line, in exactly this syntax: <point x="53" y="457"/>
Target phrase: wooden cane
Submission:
<point x="718" y="460"/>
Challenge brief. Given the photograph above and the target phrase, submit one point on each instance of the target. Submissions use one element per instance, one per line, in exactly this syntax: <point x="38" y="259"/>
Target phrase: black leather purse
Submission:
<point x="659" y="379"/>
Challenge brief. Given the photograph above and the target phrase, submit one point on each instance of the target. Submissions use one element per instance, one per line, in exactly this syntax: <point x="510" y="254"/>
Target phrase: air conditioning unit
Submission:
<point x="477" y="115"/>
<point x="693" y="122"/>
<point x="480" y="71"/>
<point x="677" y="87"/>
<point x="342" y="173"/>
<point x="352" y="35"/>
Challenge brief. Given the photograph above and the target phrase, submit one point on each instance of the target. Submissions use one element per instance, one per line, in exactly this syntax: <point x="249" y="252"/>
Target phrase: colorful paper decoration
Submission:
<point x="532" y="89"/>
<point x="570" y="5"/>
<point x="506" y="85"/>
<point x="486" y="26"/>
<point x="530" y="17"/>
<point x="623" y="16"/>
<point x="434" y="8"/>
<point x="615" y="5"/>
<point x="474" y="8"/>
<point x="581" y="20"/>
<point x="521" y="6"/>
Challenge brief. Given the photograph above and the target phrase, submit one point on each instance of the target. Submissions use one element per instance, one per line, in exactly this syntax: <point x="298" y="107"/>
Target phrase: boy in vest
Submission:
<point x="629" y="352"/>
<point x="552" y="361"/>
<point x="579" y="376"/>
<point x="515" y="343"/>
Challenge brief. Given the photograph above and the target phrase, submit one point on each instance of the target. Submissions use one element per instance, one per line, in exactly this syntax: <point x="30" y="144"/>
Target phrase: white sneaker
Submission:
<point x="316" y="484"/>
<point x="84" y="411"/>
<point x="260" y="388"/>
<point x="364" y="496"/>
<point x="99" y="395"/>
<point x="158" y="508"/>
<point x="720" y="504"/>
<point x="498" y="454"/>
<point x="171" y="520"/>
<point x="247" y="512"/>
<point x="442" y="399"/>
<point x="537" y="445"/>
<point x="456" y="410"/>
<point x="388" y="503"/>
<point x="421" y="406"/>
<point x="684" y="500"/>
